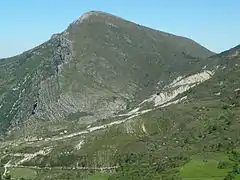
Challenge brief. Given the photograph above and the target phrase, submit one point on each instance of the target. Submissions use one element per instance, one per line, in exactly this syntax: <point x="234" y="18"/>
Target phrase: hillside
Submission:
<point x="111" y="100"/>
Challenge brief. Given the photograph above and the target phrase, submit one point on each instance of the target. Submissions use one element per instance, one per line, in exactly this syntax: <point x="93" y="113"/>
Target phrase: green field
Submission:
<point x="200" y="167"/>
<point x="207" y="166"/>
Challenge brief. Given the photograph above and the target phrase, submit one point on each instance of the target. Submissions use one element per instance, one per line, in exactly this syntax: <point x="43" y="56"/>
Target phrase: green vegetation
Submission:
<point x="199" y="167"/>
<point x="202" y="168"/>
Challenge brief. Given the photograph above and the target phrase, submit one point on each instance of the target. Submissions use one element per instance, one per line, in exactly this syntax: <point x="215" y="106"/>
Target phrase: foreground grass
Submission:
<point x="207" y="166"/>
<point x="200" y="167"/>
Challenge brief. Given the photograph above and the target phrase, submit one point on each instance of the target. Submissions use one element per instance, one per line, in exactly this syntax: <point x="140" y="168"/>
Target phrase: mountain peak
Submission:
<point x="89" y="14"/>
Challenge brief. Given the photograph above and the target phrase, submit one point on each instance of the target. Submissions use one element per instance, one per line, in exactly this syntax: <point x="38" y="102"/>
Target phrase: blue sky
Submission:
<point x="213" y="23"/>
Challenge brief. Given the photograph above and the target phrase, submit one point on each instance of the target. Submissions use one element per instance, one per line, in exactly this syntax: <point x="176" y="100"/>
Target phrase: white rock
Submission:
<point x="218" y="94"/>
<point x="238" y="89"/>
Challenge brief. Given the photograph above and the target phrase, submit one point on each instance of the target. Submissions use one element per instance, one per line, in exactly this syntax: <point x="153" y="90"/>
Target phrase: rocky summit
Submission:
<point x="111" y="99"/>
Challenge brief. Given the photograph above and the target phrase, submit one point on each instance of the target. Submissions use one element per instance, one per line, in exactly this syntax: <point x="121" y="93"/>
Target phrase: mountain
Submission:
<point x="99" y="66"/>
<point x="110" y="99"/>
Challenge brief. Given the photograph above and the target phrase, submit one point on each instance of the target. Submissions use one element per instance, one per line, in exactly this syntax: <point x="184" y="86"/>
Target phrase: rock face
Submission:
<point x="99" y="66"/>
<point x="177" y="87"/>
